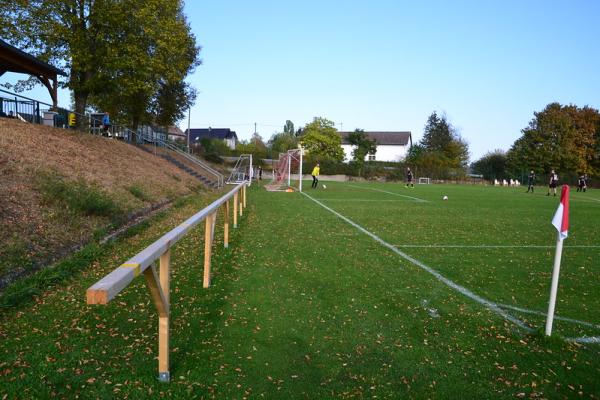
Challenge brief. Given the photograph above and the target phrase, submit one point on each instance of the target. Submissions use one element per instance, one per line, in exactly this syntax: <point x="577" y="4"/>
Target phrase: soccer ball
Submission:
<point x="445" y="198"/>
<point x="324" y="186"/>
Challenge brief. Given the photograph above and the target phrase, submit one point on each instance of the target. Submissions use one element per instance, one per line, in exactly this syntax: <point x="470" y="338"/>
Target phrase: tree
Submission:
<point x="563" y="138"/>
<point x="492" y="165"/>
<point x="289" y="128"/>
<point x="321" y="140"/>
<point x="282" y="142"/>
<point x="441" y="153"/>
<point x="363" y="146"/>
<point x="127" y="57"/>
<point x="254" y="146"/>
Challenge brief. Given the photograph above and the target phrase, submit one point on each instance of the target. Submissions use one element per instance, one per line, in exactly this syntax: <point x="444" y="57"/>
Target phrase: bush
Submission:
<point x="78" y="196"/>
<point x="138" y="192"/>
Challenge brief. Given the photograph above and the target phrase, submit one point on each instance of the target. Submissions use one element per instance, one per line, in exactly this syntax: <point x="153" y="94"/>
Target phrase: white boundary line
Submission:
<point x="491" y="246"/>
<point x="543" y="314"/>
<point x="585" y="339"/>
<point x="392" y="193"/>
<point x="461" y="289"/>
<point x="368" y="200"/>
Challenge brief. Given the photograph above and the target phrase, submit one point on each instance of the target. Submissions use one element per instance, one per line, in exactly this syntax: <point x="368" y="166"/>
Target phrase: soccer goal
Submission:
<point x="424" y="181"/>
<point x="242" y="171"/>
<point x="287" y="173"/>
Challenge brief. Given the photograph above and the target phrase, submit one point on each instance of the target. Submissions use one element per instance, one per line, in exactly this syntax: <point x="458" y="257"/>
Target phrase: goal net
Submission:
<point x="287" y="173"/>
<point x="424" y="181"/>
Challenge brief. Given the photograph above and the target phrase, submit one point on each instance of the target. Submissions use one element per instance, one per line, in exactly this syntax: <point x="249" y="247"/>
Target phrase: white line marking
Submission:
<point x="392" y="193"/>
<point x="543" y="314"/>
<point x="586" y="200"/>
<point x="486" y="303"/>
<point x="585" y="339"/>
<point x="491" y="246"/>
<point x="372" y="200"/>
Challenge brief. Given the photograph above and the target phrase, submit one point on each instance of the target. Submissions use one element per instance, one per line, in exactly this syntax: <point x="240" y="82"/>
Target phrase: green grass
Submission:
<point x="304" y="305"/>
<point x="78" y="196"/>
<point x="138" y="192"/>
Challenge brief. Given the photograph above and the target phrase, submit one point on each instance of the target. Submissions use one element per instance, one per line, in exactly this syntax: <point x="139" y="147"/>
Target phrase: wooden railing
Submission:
<point x="142" y="263"/>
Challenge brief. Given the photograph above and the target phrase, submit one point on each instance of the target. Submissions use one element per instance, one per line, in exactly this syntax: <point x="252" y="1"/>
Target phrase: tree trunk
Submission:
<point x="80" y="105"/>
<point x="134" y="125"/>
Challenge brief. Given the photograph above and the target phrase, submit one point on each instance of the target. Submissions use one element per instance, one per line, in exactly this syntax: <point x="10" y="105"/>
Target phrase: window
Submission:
<point x="371" y="157"/>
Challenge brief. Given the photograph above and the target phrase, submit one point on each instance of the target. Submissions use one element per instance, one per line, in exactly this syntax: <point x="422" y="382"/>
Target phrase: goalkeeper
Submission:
<point x="315" y="175"/>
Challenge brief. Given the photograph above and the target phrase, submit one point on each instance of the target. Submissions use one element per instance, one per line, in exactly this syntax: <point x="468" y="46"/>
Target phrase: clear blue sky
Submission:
<point x="386" y="65"/>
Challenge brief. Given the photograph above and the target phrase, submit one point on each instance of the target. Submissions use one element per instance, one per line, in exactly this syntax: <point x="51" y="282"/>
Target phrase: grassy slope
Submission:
<point x="35" y="160"/>
<point x="303" y="306"/>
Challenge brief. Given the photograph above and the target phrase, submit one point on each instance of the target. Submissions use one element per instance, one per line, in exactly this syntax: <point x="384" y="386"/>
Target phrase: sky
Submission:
<point x="387" y="65"/>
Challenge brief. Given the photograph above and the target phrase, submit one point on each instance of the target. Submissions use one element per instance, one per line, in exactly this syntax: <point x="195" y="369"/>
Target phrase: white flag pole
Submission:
<point x="554" y="287"/>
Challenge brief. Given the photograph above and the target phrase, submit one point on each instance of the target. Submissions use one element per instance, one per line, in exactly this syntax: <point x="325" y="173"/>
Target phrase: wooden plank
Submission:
<point x="235" y="210"/>
<point x="241" y="199"/>
<point x="226" y="224"/>
<point x="207" y="250"/>
<point x="244" y="192"/>
<point x="108" y="287"/>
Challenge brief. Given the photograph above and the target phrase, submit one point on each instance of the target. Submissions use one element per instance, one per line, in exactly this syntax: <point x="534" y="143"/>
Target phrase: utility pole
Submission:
<point x="255" y="128"/>
<point x="188" y="130"/>
<point x="341" y="126"/>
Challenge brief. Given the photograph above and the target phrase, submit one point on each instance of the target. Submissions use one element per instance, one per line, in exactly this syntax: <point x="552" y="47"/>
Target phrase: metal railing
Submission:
<point x="108" y="287"/>
<point x="218" y="177"/>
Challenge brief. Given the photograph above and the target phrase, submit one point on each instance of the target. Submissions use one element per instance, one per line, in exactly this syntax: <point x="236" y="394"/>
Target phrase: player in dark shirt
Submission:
<point x="553" y="183"/>
<point x="582" y="183"/>
<point x="530" y="181"/>
<point x="409" y="178"/>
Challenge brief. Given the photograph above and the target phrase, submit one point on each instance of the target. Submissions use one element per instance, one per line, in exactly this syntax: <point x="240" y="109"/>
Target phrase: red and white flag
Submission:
<point x="561" y="217"/>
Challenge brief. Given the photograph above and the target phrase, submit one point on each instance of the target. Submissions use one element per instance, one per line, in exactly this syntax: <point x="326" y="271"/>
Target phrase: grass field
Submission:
<point x="359" y="290"/>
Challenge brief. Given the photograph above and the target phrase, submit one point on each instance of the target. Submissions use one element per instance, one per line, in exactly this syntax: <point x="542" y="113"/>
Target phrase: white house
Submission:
<point x="391" y="146"/>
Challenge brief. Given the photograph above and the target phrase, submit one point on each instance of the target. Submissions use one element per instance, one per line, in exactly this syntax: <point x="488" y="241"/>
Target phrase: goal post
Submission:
<point x="287" y="173"/>
<point x="424" y="181"/>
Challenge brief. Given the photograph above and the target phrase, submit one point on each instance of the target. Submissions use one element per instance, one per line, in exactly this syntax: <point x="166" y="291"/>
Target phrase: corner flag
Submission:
<point x="561" y="217"/>
<point x="561" y="223"/>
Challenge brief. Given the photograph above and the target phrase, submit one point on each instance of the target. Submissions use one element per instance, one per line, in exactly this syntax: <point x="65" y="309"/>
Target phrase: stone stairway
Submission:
<point x="205" y="181"/>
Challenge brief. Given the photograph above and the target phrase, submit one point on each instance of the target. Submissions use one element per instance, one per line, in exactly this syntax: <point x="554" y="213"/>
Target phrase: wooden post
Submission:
<point x="244" y="189"/>
<point x="226" y="224"/>
<point x="207" y="248"/>
<point x="162" y="305"/>
<point x="163" y="322"/>
<point x="241" y="198"/>
<point x="235" y="209"/>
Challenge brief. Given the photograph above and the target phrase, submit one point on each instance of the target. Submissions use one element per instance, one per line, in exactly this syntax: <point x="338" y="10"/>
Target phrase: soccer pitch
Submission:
<point x="493" y="245"/>
<point x="360" y="290"/>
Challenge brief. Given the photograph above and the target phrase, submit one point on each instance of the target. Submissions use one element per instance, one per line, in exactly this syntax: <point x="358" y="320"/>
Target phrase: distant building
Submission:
<point x="175" y="134"/>
<point x="225" y="134"/>
<point x="391" y="146"/>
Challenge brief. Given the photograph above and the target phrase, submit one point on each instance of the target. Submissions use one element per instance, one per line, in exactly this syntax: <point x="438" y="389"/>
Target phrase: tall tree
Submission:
<point x="563" y="138"/>
<point x="441" y="153"/>
<point x="321" y="140"/>
<point x="289" y="128"/>
<point x="363" y="147"/>
<point x="124" y="56"/>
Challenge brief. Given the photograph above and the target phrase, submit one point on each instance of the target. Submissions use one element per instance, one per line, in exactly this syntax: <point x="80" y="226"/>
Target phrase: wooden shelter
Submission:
<point x="15" y="60"/>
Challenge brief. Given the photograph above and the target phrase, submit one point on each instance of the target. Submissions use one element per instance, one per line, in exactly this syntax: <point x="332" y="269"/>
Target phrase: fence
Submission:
<point x="108" y="287"/>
